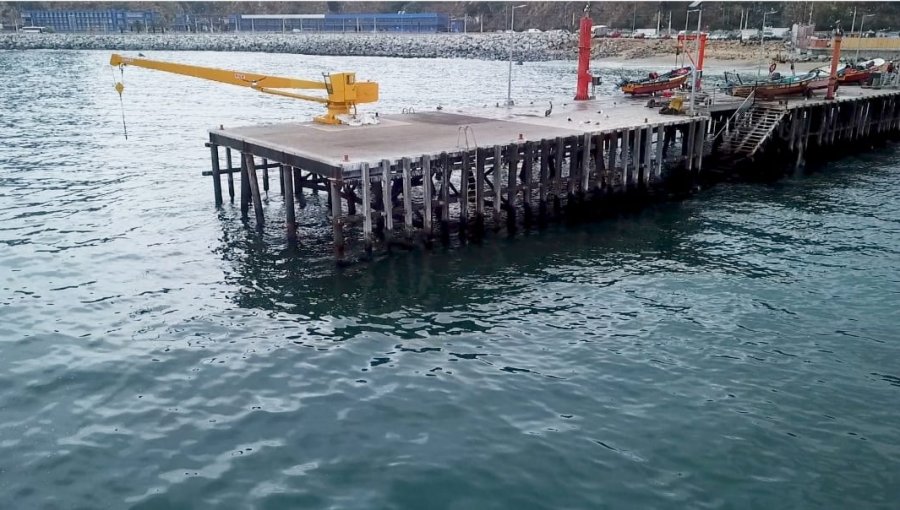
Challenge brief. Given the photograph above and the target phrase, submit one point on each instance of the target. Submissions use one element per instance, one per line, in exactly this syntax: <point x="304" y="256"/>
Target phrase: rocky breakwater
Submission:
<point x="551" y="45"/>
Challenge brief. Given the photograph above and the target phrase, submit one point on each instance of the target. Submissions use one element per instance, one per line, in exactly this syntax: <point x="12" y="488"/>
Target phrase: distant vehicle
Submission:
<point x="296" y="30"/>
<point x="615" y="34"/>
<point x="639" y="36"/>
<point x="33" y="30"/>
<point x="533" y="31"/>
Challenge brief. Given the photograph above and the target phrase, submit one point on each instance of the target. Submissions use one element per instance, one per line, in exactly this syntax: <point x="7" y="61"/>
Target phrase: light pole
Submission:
<point x="761" y="38"/>
<point x="512" y="28"/>
<point x="862" y="21"/>
<point x="694" y="67"/>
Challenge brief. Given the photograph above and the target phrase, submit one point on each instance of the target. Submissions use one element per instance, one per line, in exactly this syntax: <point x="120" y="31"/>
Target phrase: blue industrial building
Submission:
<point x="92" y="21"/>
<point x="361" y="22"/>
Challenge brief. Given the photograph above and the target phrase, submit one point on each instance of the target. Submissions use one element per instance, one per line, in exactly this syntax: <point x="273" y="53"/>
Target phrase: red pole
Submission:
<point x="584" y="58"/>
<point x="835" y="58"/>
<point x="700" y="53"/>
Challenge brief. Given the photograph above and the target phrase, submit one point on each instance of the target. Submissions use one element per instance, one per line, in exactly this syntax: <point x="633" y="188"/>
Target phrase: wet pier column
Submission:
<point x="585" y="165"/>
<point x="428" y="195"/>
<point x="543" y="179"/>
<point x="287" y="186"/>
<point x="407" y="197"/>
<point x="480" y="157"/>
<point x="245" y="189"/>
<point x="445" y="196"/>
<point x="366" y="208"/>
<point x="660" y="144"/>
<point x="572" y="180"/>
<point x="689" y="146"/>
<point x="265" y="176"/>
<point x="647" y="168"/>
<point x="230" y="177"/>
<point x="613" y="147"/>
<point x="498" y="179"/>
<point x="700" y="141"/>
<point x="556" y="169"/>
<point x="599" y="163"/>
<point x="388" y="212"/>
<point x="527" y="173"/>
<point x="466" y="158"/>
<point x="217" y="181"/>
<point x="512" y="157"/>
<point x="337" y="220"/>
<point x="254" y="189"/>
<point x="636" y="149"/>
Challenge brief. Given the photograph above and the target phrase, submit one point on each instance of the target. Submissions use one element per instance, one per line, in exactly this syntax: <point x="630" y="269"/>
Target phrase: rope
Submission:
<point x="120" y="87"/>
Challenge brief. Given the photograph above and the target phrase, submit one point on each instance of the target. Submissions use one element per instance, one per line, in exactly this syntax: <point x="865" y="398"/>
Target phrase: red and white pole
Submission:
<point x="584" y="58"/>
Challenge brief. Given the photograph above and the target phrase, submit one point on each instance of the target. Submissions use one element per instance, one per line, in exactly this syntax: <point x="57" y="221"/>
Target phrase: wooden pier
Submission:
<point x="417" y="177"/>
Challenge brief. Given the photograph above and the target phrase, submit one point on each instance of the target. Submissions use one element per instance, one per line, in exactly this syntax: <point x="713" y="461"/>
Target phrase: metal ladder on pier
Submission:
<point x="751" y="129"/>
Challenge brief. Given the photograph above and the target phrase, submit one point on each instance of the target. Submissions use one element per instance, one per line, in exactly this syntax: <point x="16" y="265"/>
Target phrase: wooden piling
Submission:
<point x="230" y="176"/>
<point x="498" y="179"/>
<point x="528" y="171"/>
<point x="428" y="191"/>
<point x="265" y="170"/>
<point x="613" y="147"/>
<point x="512" y="159"/>
<point x="366" y="208"/>
<point x="637" y="145"/>
<point x="287" y="185"/>
<point x="660" y="143"/>
<point x="544" y="177"/>
<point x="480" y="156"/>
<point x="466" y="157"/>
<point x="445" y="193"/>
<point x="337" y="221"/>
<point x="245" y="189"/>
<point x="254" y="189"/>
<point x="217" y="180"/>
<point x="388" y="213"/>
<point x="585" y="163"/>
<point x="407" y="197"/>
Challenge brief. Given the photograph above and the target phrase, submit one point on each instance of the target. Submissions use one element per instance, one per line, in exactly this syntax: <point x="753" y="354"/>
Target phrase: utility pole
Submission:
<point x="670" y="23"/>
<point x="853" y="25"/>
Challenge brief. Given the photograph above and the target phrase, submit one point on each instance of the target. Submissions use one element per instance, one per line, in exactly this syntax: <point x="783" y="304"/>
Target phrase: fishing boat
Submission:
<point x="861" y="73"/>
<point x="820" y="79"/>
<point x="773" y="87"/>
<point x="668" y="81"/>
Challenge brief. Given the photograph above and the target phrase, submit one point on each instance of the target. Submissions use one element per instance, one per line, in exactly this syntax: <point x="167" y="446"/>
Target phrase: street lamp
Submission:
<point x="761" y="36"/>
<point x="859" y="39"/>
<point x="694" y="67"/>
<point x="512" y="28"/>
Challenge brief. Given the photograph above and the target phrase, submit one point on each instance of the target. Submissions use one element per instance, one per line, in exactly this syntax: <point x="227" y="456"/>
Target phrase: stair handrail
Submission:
<point x="737" y="112"/>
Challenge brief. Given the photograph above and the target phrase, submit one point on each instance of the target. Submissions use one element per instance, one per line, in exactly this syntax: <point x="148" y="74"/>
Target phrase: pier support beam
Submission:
<point x="407" y="197"/>
<point x="217" y="181"/>
<point x="254" y="189"/>
<point x="337" y="220"/>
<point x="366" y="209"/>
<point x="230" y="176"/>
<point x="287" y="185"/>
<point x="428" y="196"/>
<point x="498" y="179"/>
<point x="388" y="212"/>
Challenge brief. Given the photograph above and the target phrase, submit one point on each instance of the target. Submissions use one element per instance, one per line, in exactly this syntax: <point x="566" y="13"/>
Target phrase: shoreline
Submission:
<point x="531" y="47"/>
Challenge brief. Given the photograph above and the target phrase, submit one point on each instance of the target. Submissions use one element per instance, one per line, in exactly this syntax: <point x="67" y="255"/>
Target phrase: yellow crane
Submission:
<point x="342" y="89"/>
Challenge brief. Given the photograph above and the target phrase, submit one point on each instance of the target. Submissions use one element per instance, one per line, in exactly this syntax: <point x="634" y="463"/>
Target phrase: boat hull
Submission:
<point x="642" y="89"/>
<point x="770" y="91"/>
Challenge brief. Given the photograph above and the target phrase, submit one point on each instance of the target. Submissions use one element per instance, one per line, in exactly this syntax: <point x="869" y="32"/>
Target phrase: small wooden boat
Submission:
<point x="820" y="79"/>
<point x="861" y="73"/>
<point x="775" y="87"/>
<point x="668" y="81"/>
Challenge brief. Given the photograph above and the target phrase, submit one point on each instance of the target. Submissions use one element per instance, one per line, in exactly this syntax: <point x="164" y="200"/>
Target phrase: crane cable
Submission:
<point x="120" y="87"/>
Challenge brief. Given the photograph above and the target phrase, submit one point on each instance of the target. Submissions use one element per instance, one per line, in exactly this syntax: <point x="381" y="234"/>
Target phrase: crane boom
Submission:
<point x="343" y="91"/>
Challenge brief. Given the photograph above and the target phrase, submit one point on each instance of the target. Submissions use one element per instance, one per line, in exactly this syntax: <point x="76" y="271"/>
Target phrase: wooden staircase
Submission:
<point x="751" y="129"/>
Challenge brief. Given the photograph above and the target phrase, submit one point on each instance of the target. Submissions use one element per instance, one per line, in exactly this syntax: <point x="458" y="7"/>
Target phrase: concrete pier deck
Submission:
<point x="415" y="175"/>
